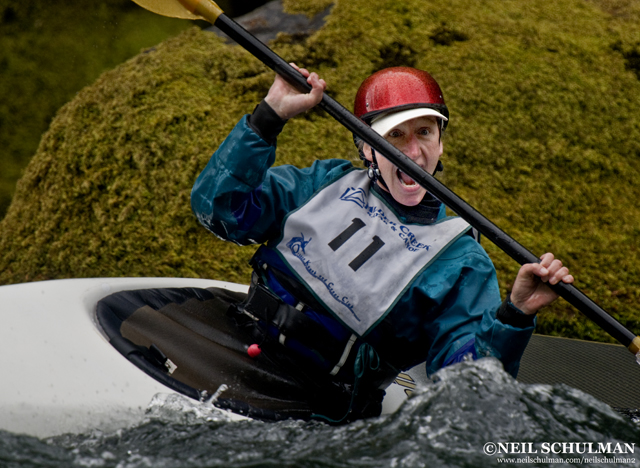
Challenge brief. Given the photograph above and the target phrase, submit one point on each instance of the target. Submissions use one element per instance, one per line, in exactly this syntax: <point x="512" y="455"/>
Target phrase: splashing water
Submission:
<point x="446" y="424"/>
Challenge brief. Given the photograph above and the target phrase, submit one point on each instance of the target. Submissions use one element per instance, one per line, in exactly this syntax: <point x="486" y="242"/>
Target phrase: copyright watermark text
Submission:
<point x="561" y="452"/>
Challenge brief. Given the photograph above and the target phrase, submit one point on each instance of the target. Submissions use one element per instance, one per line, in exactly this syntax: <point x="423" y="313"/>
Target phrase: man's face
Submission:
<point x="419" y="139"/>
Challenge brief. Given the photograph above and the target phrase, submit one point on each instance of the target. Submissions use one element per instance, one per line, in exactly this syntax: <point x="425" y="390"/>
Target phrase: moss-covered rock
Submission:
<point x="51" y="50"/>
<point x="544" y="140"/>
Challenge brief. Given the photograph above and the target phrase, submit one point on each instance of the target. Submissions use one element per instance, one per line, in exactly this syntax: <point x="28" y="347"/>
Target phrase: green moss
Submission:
<point x="544" y="140"/>
<point x="308" y="7"/>
<point x="48" y="52"/>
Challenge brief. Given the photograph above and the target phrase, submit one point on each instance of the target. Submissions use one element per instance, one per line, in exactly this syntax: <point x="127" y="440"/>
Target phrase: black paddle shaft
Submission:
<point x="492" y="232"/>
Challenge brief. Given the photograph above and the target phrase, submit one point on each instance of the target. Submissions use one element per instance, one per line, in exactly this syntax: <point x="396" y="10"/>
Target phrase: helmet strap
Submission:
<point x="373" y="171"/>
<point x="439" y="168"/>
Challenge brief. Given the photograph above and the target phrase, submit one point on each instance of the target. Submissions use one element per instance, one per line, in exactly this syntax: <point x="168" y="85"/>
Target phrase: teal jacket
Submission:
<point x="449" y="311"/>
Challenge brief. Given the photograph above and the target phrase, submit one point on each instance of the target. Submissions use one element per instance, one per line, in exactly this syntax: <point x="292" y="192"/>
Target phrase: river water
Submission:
<point x="471" y="411"/>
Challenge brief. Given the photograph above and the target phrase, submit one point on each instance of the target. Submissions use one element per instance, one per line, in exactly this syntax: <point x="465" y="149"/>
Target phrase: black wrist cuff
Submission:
<point x="511" y="315"/>
<point x="266" y="123"/>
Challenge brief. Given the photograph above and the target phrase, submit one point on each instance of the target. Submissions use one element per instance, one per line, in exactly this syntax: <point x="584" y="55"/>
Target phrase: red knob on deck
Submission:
<point x="254" y="351"/>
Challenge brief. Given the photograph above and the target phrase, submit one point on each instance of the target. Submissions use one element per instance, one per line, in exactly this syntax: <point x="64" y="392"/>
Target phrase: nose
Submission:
<point x="412" y="147"/>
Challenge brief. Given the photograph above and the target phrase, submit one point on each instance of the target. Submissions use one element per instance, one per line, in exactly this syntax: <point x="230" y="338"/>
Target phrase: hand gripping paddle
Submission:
<point x="209" y="11"/>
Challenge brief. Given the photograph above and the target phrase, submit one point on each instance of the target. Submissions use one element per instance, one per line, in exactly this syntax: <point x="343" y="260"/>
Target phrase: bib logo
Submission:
<point x="356" y="196"/>
<point x="297" y="246"/>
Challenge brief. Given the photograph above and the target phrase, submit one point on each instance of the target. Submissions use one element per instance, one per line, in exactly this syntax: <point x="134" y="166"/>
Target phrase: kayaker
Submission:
<point x="360" y="274"/>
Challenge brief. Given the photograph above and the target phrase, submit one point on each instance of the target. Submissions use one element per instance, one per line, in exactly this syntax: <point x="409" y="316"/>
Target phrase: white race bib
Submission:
<point x="353" y="252"/>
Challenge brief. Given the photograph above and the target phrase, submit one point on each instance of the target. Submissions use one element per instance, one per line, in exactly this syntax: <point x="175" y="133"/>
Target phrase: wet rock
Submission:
<point x="270" y="19"/>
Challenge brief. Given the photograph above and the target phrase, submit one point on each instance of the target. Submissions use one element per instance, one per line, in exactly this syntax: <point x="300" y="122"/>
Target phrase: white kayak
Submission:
<point x="61" y="374"/>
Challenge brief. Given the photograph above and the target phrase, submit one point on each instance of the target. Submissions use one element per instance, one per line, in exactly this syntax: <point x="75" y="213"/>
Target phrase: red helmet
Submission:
<point x="397" y="89"/>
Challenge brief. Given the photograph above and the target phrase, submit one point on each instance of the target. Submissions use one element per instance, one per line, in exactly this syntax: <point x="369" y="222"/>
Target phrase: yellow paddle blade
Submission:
<point x="187" y="9"/>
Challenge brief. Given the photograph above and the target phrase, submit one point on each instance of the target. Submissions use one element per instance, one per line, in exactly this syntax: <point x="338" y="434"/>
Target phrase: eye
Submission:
<point x="395" y="133"/>
<point x="424" y="131"/>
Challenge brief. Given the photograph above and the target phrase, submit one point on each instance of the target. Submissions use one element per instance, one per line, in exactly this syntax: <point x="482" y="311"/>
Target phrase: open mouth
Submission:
<point x="405" y="179"/>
